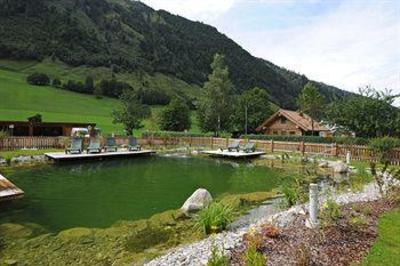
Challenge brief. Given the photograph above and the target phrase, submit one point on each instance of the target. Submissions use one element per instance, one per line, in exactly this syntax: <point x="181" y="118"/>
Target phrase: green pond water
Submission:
<point x="98" y="194"/>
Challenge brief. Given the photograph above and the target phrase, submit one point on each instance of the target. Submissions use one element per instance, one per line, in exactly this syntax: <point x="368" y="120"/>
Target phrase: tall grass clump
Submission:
<point x="294" y="191"/>
<point x="215" y="218"/>
<point x="217" y="257"/>
<point x="252" y="257"/>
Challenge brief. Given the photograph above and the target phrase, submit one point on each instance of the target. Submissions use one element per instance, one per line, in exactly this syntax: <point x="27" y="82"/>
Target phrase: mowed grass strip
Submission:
<point x="386" y="250"/>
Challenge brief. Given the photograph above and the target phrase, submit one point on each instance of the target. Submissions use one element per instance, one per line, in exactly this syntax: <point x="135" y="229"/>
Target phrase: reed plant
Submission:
<point x="214" y="218"/>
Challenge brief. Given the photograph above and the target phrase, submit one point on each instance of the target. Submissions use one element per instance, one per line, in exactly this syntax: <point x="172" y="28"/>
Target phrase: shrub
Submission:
<point x="148" y="134"/>
<point x="252" y="257"/>
<point x="217" y="257"/>
<point x="330" y="213"/>
<point x="383" y="148"/>
<point x="214" y="218"/>
<point x="56" y="83"/>
<point x="175" y="117"/>
<point x="358" y="222"/>
<point x="3" y="134"/>
<point x="310" y="139"/>
<point x="39" y="79"/>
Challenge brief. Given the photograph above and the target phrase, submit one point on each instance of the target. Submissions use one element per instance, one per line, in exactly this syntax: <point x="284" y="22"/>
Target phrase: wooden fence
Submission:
<point x="335" y="150"/>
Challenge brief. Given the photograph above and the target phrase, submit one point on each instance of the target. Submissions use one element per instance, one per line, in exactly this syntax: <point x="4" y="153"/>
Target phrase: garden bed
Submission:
<point x="343" y="242"/>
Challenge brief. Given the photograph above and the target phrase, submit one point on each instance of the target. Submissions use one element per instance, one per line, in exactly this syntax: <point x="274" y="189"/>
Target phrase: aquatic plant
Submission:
<point x="294" y="191"/>
<point x="147" y="237"/>
<point x="214" y="218"/>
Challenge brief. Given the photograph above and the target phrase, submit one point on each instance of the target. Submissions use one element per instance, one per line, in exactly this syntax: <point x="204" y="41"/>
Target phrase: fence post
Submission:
<point x="335" y="149"/>
<point x="302" y="148"/>
<point x="312" y="221"/>
<point x="272" y="145"/>
<point x="212" y="142"/>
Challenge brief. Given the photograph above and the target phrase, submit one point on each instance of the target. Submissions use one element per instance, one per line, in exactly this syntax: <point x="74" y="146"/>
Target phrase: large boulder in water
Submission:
<point x="200" y="199"/>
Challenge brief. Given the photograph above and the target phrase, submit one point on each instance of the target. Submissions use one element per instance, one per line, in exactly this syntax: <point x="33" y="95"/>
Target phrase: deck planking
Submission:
<point x="8" y="190"/>
<point x="61" y="156"/>
<point x="233" y="154"/>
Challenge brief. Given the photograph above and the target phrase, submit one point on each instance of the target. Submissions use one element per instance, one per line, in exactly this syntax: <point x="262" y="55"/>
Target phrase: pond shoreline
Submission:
<point x="198" y="253"/>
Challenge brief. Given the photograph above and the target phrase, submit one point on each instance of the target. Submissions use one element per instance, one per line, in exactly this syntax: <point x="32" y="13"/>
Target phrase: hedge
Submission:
<point x="310" y="139"/>
<point x="148" y="134"/>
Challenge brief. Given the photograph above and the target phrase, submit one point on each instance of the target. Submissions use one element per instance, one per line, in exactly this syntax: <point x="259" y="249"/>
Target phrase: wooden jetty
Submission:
<point x="8" y="190"/>
<point x="234" y="154"/>
<point x="61" y="156"/>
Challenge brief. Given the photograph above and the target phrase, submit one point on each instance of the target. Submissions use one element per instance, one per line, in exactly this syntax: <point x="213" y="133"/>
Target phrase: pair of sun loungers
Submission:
<point x="235" y="146"/>
<point x="95" y="145"/>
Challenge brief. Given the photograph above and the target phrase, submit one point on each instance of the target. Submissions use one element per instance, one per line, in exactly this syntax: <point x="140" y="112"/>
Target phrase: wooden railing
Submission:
<point x="334" y="150"/>
<point x="16" y="143"/>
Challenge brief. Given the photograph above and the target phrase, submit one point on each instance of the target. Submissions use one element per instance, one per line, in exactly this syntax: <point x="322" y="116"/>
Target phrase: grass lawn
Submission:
<point x="20" y="100"/>
<point x="10" y="154"/>
<point x="386" y="250"/>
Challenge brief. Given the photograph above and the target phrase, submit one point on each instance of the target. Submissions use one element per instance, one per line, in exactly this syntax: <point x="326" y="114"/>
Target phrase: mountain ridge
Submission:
<point x="129" y="36"/>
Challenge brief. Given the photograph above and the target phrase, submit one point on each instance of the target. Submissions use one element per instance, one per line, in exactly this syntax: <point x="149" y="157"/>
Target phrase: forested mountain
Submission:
<point x="128" y="36"/>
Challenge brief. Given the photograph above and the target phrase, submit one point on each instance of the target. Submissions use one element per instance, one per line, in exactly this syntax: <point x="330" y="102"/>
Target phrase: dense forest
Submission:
<point x="128" y="36"/>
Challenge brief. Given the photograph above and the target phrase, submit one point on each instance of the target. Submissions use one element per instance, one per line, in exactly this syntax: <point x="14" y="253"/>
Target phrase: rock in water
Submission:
<point x="200" y="199"/>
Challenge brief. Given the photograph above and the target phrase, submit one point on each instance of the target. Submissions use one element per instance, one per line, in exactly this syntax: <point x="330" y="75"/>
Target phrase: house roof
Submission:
<point x="303" y="121"/>
<point x="26" y="123"/>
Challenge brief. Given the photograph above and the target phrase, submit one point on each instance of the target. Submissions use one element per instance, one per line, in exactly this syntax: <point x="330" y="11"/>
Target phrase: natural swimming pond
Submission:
<point x="98" y="194"/>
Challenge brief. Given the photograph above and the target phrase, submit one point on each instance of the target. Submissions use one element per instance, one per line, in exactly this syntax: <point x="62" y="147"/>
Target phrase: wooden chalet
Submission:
<point x="286" y="122"/>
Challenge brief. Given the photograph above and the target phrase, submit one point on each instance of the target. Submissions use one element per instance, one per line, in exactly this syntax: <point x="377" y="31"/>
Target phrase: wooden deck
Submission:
<point x="61" y="156"/>
<point x="8" y="190"/>
<point x="233" y="154"/>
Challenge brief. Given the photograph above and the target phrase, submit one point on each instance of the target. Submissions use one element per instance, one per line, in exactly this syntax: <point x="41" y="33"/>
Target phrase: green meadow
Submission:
<point x="19" y="100"/>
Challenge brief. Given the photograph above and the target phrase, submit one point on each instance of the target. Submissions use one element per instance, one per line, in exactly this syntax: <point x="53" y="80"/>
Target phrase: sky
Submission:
<point x="348" y="43"/>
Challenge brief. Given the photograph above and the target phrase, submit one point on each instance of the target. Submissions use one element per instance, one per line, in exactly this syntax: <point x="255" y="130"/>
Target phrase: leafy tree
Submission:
<point x="131" y="112"/>
<point x="383" y="148"/>
<point x="56" y="83"/>
<point x="369" y="114"/>
<point x="98" y="92"/>
<point x="113" y="87"/>
<point x="39" y="79"/>
<point x="311" y="102"/>
<point x="254" y="105"/>
<point x="89" y="85"/>
<point x="216" y="107"/>
<point x="175" y="117"/>
<point x="73" y="85"/>
<point x="153" y="96"/>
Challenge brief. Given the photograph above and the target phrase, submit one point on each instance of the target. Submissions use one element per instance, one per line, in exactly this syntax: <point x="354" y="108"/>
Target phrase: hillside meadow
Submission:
<point x="20" y="100"/>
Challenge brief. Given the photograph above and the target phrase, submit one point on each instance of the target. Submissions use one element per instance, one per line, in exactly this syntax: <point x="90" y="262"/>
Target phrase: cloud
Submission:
<point x="202" y="10"/>
<point x="347" y="44"/>
<point x="354" y="45"/>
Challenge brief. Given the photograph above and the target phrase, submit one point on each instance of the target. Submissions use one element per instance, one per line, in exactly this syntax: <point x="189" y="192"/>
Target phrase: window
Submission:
<point x="275" y="132"/>
<point x="283" y="120"/>
<point x="292" y="132"/>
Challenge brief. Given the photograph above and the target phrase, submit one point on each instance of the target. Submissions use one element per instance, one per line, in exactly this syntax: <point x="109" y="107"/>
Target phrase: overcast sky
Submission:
<point x="349" y="43"/>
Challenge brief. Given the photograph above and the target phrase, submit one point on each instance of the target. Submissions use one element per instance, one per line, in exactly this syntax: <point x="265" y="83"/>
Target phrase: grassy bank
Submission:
<point x="386" y="250"/>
